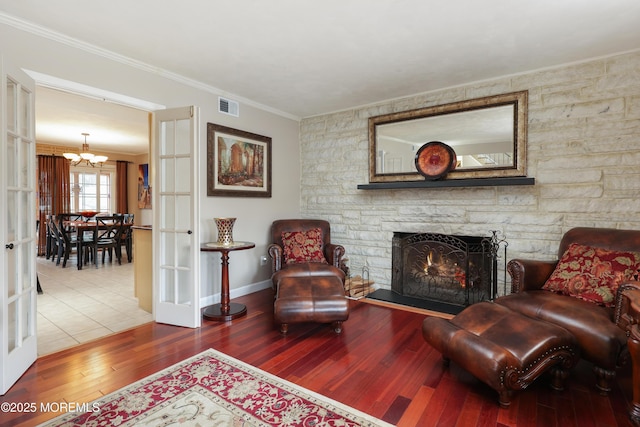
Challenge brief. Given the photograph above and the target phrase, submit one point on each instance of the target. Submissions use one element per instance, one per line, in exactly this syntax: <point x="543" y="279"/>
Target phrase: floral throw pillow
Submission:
<point x="301" y="247"/>
<point x="593" y="274"/>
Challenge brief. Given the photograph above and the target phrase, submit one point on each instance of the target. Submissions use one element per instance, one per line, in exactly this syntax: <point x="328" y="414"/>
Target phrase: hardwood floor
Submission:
<point x="379" y="364"/>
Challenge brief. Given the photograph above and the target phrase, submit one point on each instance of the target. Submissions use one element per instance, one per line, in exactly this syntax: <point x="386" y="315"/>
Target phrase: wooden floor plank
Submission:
<point x="546" y="417"/>
<point x="527" y="410"/>
<point x="457" y="397"/>
<point x="396" y="409"/>
<point x="437" y="403"/>
<point x="469" y="417"/>
<point x="489" y="415"/>
<point x="417" y="407"/>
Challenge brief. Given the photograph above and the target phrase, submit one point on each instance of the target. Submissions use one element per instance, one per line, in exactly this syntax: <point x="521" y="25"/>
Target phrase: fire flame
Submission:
<point x="431" y="269"/>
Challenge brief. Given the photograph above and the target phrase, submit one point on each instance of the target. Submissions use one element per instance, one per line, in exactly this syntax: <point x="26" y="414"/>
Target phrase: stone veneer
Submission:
<point x="583" y="151"/>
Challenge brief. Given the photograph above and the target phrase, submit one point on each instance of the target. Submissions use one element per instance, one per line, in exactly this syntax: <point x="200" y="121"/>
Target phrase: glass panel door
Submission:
<point x="17" y="226"/>
<point x="174" y="172"/>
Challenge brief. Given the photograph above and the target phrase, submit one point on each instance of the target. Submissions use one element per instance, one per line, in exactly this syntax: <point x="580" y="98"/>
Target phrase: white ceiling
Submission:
<point x="62" y="117"/>
<point x="305" y="58"/>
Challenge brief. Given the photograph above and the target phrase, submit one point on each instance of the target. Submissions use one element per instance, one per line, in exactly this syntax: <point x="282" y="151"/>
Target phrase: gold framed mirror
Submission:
<point x="489" y="136"/>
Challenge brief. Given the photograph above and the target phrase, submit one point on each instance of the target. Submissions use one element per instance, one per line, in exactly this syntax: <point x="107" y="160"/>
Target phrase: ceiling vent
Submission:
<point x="228" y="106"/>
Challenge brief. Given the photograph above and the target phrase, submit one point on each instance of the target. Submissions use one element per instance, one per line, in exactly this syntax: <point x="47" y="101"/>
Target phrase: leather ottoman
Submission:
<point x="502" y="348"/>
<point x="310" y="299"/>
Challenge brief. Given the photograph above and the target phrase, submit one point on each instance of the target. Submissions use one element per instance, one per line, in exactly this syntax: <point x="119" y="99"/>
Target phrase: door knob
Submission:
<point x="9" y="246"/>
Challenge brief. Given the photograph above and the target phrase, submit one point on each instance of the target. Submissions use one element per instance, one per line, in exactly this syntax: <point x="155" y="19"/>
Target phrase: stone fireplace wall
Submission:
<point x="583" y="151"/>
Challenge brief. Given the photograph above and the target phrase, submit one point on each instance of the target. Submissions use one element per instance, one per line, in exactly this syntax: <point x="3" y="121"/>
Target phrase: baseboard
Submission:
<point x="236" y="292"/>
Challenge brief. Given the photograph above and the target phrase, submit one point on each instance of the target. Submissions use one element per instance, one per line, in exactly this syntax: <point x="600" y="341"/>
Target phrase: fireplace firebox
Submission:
<point x="451" y="271"/>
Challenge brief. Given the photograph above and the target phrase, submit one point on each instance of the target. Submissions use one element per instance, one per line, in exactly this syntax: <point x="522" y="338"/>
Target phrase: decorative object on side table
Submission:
<point x="225" y="230"/>
<point x="435" y="159"/>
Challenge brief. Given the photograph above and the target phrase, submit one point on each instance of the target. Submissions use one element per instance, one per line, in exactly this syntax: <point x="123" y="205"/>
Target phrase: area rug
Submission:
<point x="213" y="389"/>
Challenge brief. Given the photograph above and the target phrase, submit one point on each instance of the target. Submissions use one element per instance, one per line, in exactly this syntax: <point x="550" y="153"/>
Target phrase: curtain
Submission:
<point x="54" y="192"/>
<point x="122" y="196"/>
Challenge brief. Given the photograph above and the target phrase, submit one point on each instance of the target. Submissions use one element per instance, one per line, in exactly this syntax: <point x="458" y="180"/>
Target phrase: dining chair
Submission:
<point x="71" y="216"/>
<point x="126" y="238"/>
<point x="38" y="287"/>
<point x="70" y="236"/>
<point x="50" y="239"/>
<point x="106" y="237"/>
<point x="57" y="242"/>
<point x="66" y="220"/>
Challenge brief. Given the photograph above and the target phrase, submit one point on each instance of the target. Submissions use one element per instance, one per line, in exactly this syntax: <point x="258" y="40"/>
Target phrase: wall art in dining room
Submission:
<point x="238" y="163"/>
<point x="144" y="189"/>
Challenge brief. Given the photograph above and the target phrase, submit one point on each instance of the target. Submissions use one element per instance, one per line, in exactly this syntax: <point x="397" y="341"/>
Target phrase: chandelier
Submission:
<point x="85" y="155"/>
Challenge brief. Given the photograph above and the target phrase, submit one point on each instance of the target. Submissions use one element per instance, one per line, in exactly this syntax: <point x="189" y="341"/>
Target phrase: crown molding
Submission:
<point x="49" y="34"/>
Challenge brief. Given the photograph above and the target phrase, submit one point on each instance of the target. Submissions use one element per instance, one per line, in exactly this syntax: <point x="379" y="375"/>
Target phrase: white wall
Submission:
<point x="583" y="151"/>
<point x="255" y="215"/>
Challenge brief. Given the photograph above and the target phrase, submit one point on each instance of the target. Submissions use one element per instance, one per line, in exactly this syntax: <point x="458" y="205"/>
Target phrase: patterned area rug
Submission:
<point x="213" y="389"/>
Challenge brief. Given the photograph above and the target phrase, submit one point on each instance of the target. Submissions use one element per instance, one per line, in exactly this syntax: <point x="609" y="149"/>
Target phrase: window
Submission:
<point x="92" y="189"/>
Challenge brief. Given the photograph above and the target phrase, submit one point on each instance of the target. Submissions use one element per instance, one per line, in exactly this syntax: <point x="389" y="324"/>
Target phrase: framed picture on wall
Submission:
<point x="238" y="163"/>
<point x="144" y="189"/>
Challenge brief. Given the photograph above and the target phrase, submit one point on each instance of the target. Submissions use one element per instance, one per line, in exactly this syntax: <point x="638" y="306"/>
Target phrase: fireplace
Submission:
<point x="444" y="272"/>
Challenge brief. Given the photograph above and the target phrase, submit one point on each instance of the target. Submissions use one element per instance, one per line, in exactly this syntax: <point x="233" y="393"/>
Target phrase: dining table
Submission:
<point x="82" y="227"/>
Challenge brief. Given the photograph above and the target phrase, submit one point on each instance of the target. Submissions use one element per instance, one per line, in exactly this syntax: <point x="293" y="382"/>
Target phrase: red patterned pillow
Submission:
<point x="301" y="247"/>
<point x="593" y="274"/>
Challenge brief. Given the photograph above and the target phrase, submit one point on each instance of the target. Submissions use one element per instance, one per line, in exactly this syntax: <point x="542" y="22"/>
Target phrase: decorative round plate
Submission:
<point x="435" y="159"/>
<point x="88" y="214"/>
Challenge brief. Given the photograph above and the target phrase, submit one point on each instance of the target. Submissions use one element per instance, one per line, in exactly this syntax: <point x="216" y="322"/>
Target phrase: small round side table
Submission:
<point x="225" y="310"/>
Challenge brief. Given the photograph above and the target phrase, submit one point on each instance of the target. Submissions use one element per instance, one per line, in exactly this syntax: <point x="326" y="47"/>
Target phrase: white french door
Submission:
<point x="174" y="193"/>
<point x="17" y="225"/>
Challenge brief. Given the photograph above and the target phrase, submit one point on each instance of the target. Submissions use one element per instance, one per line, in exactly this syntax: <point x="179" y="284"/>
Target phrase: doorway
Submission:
<point x="82" y="305"/>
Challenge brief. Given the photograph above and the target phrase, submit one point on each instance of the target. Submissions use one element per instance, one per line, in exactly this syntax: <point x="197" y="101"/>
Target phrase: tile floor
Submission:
<point x="82" y="305"/>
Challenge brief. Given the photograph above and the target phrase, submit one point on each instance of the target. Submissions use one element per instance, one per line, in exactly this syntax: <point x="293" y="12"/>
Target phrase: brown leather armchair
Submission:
<point x="307" y="291"/>
<point x="599" y="330"/>
<point x="332" y="253"/>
